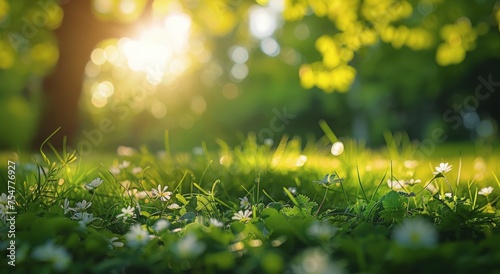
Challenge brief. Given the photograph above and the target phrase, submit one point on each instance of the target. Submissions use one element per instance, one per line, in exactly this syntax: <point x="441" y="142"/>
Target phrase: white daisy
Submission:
<point x="94" y="184"/>
<point x="127" y="213"/>
<point x="443" y="168"/>
<point x="243" y="216"/>
<point x="485" y="191"/>
<point x="137" y="236"/>
<point x="163" y="194"/>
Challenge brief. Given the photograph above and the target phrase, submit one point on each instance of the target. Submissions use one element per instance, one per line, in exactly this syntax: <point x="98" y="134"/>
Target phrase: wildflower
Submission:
<point x="114" y="170"/>
<point x="443" y="168"/>
<point x="244" y="203"/>
<point x="136" y="170"/>
<point x="124" y="165"/>
<point x="3" y="210"/>
<point x="162" y="193"/>
<point x="485" y="191"/>
<point x="94" y="184"/>
<point x="316" y="260"/>
<point x="321" y="230"/>
<point x="188" y="247"/>
<point x="216" y="222"/>
<point x="415" y="233"/>
<point x="242" y="216"/>
<point x="66" y="207"/>
<point x="125" y="151"/>
<point x="83" y="218"/>
<point x="54" y="254"/>
<point x="126" y="213"/>
<point x="337" y="148"/>
<point x="4" y="200"/>
<point x="137" y="236"/>
<point x="112" y="243"/>
<point x="82" y="206"/>
<point x="161" y="225"/>
<point x="413" y="182"/>
<point x="173" y="206"/>
<point x="329" y="179"/>
<point x="396" y="184"/>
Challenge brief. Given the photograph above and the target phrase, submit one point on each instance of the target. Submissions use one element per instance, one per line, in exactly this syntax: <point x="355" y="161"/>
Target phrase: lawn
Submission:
<point x="293" y="207"/>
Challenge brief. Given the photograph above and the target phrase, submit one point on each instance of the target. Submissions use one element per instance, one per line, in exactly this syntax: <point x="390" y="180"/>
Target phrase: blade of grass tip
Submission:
<point x="290" y="195"/>
<point x="459" y="169"/>
<point x="496" y="178"/>
<point x="179" y="185"/>
<point x="361" y="184"/>
<point x="204" y="171"/>
<point x="328" y="131"/>
<point x="56" y="153"/>
<point x="268" y="196"/>
<point x="378" y="186"/>
<point x="45" y="158"/>
<point x="439" y="175"/>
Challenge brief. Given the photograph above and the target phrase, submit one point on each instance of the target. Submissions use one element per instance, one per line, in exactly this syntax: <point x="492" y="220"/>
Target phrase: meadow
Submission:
<point x="298" y="206"/>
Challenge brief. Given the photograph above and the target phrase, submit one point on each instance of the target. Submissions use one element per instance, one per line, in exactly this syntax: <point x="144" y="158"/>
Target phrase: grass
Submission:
<point x="288" y="208"/>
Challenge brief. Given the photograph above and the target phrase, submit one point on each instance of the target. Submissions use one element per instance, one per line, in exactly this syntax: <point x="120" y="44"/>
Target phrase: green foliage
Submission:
<point x="167" y="217"/>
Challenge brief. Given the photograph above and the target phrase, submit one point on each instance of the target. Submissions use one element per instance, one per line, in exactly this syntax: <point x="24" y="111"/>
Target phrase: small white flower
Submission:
<point x="126" y="213"/>
<point x="163" y="194"/>
<point x="396" y="184"/>
<point x="244" y="203"/>
<point x="114" y="170"/>
<point x="83" y="218"/>
<point x="124" y="165"/>
<point x="3" y="210"/>
<point x="216" y="222"/>
<point x="415" y="233"/>
<point x="188" y="247"/>
<point x="125" y="151"/>
<point x="269" y="142"/>
<point x="173" y="206"/>
<point x="443" y="168"/>
<point x="4" y="200"/>
<point x="137" y="236"/>
<point x="136" y="170"/>
<point x="112" y="243"/>
<point x="485" y="191"/>
<point x="66" y="207"/>
<point x="412" y="182"/>
<point x="161" y="225"/>
<point x="82" y="206"/>
<point x="242" y="216"/>
<point x="94" y="184"/>
<point x="321" y="230"/>
<point x="54" y="254"/>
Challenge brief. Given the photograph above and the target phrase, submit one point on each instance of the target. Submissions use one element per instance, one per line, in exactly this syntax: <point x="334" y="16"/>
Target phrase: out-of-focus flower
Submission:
<point x="244" y="203"/>
<point x="161" y="225"/>
<point x="188" y="247"/>
<point x="163" y="194"/>
<point x="57" y="255"/>
<point x="415" y="233"/>
<point x="316" y="261"/>
<point x="127" y="213"/>
<point x="83" y="218"/>
<point x="396" y="184"/>
<point x="321" y="230"/>
<point x="112" y="243"/>
<point x="137" y="236"/>
<point x="242" y="216"/>
<point x="174" y="206"/>
<point x="136" y="170"/>
<point x="443" y="168"/>
<point x="4" y="200"/>
<point x="216" y="222"/>
<point x="124" y="165"/>
<point x="485" y="191"/>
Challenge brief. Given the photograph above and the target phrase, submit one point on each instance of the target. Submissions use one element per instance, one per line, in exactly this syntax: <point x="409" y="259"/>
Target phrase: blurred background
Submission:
<point x="122" y="72"/>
